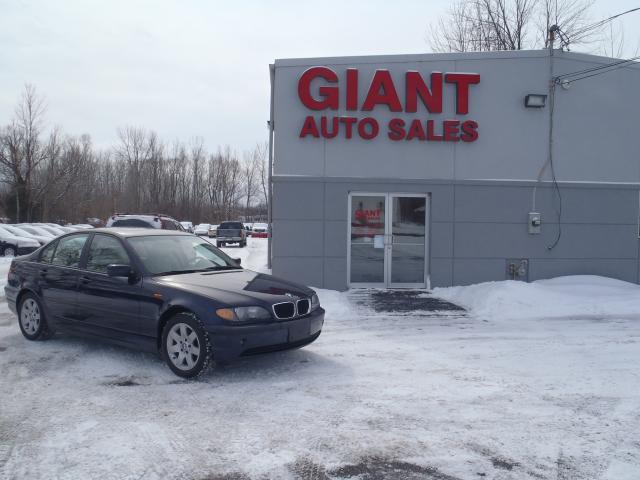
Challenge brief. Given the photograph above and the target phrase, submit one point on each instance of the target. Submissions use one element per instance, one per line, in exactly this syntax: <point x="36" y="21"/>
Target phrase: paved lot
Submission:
<point x="380" y="395"/>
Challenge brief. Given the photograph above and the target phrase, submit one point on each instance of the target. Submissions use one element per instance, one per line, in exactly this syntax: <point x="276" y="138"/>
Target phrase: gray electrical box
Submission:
<point x="535" y="223"/>
<point x="518" y="269"/>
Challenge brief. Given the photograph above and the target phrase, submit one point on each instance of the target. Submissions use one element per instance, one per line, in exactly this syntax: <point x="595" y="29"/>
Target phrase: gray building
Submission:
<point x="450" y="169"/>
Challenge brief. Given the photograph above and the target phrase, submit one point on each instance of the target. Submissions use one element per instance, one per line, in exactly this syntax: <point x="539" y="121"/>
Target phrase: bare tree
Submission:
<point x="133" y="151"/>
<point x="21" y="151"/>
<point x="612" y="43"/>
<point x="486" y="25"/>
<point x="62" y="178"/>
<point x="260" y="156"/>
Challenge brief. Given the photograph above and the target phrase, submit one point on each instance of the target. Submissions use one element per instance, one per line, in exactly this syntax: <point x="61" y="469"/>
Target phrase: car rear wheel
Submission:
<point x="185" y="345"/>
<point x="9" y="251"/>
<point x="31" y="318"/>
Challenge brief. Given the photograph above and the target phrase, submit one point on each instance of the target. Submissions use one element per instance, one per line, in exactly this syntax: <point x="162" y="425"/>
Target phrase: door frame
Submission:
<point x="388" y="247"/>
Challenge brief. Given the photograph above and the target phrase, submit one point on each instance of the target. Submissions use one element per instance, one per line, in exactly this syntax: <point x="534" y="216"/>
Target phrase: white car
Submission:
<point x="144" y="220"/>
<point x="202" y="229"/>
<point x="260" y="230"/>
<point x="36" y="230"/>
<point x="52" y="230"/>
<point x="57" y="227"/>
<point x="21" y="232"/>
<point x="81" y="226"/>
<point x="11" y="245"/>
<point x="188" y="226"/>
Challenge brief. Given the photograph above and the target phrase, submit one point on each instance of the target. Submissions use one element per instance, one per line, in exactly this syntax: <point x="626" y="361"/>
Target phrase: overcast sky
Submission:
<point x="187" y="68"/>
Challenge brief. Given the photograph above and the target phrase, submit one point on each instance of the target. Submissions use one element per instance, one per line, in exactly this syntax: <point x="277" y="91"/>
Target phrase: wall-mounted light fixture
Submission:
<point x="535" y="100"/>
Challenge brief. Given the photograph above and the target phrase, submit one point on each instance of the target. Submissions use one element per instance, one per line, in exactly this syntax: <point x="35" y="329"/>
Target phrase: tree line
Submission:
<point x="486" y="25"/>
<point x="58" y="177"/>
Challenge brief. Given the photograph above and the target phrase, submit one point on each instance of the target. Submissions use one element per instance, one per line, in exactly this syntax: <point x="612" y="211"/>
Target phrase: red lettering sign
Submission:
<point x="319" y="88"/>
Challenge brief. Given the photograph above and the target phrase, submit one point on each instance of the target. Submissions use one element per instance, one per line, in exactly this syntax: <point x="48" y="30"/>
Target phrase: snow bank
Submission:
<point x="584" y="296"/>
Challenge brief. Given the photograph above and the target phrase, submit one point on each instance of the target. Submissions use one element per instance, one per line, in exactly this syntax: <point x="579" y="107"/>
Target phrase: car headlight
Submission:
<point x="243" y="314"/>
<point x="315" y="302"/>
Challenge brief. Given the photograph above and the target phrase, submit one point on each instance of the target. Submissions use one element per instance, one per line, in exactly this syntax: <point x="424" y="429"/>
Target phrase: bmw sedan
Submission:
<point x="161" y="291"/>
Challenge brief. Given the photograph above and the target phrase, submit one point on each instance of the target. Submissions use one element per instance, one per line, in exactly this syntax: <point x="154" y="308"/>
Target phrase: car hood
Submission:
<point x="237" y="286"/>
<point x="21" y="241"/>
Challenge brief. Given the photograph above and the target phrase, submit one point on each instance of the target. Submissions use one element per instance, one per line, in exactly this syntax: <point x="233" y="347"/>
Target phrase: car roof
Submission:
<point x="126" y="232"/>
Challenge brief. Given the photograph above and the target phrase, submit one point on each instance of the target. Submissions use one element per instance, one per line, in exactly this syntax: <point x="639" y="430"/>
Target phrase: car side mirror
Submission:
<point x="115" y="270"/>
<point x="237" y="260"/>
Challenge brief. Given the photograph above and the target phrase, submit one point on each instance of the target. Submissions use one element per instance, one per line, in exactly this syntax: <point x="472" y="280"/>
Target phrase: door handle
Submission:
<point x="84" y="280"/>
<point x="43" y="273"/>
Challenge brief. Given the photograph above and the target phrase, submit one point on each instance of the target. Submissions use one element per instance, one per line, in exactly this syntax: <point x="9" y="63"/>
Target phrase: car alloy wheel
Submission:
<point x="30" y="316"/>
<point x="185" y="345"/>
<point x="33" y="323"/>
<point x="9" y="252"/>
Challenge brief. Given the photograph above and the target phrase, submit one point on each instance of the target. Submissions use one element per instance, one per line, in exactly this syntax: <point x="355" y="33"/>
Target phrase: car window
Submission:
<point x="131" y="222"/>
<point x="69" y="250"/>
<point x="105" y="250"/>
<point x="176" y="253"/>
<point x="47" y="252"/>
<point x="168" y="225"/>
<point x="231" y="225"/>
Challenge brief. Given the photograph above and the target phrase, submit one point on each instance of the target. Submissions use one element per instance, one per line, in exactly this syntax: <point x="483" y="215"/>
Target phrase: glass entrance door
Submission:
<point x="408" y="241"/>
<point x="367" y="243"/>
<point x="388" y="240"/>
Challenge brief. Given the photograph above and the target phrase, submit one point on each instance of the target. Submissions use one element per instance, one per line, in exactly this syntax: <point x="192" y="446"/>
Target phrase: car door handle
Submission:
<point x="85" y="280"/>
<point x="43" y="273"/>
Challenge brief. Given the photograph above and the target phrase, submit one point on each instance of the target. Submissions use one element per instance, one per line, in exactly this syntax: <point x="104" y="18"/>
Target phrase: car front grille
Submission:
<point x="284" y="310"/>
<point x="303" y="306"/>
<point x="288" y="310"/>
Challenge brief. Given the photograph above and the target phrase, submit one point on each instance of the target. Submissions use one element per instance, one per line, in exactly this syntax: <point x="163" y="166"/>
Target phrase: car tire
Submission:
<point x="9" y="251"/>
<point x="32" y="319"/>
<point x="185" y="345"/>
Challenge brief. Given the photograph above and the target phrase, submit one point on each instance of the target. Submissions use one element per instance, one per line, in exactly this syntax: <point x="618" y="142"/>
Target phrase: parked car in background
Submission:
<point x="145" y="220"/>
<point x="36" y="230"/>
<point x="231" y="232"/>
<point x="205" y="306"/>
<point x="12" y="245"/>
<point x="188" y="226"/>
<point x="42" y="239"/>
<point x="202" y="229"/>
<point x="55" y="231"/>
<point x="213" y="231"/>
<point x="260" y="230"/>
<point x="248" y="228"/>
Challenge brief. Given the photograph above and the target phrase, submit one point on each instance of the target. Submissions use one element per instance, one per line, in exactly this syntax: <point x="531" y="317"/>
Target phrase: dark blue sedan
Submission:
<point x="162" y="291"/>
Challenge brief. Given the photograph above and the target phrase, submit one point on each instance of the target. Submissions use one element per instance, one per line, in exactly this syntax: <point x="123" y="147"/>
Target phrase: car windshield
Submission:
<point x="175" y="254"/>
<point x="231" y="225"/>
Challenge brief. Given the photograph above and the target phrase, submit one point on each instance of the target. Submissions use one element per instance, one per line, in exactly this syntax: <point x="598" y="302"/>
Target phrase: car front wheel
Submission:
<point x="31" y="318"/>
<point x="185" y="345"/>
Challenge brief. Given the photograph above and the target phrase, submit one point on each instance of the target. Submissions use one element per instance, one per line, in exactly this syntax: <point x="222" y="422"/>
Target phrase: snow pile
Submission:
<point x="583" y="296"/>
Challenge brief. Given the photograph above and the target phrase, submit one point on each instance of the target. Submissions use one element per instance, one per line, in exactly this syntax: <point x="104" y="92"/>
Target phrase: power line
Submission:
<point x="592" y="72"/>
<point x="592" y="69"/>
<point x="600" y="23"/>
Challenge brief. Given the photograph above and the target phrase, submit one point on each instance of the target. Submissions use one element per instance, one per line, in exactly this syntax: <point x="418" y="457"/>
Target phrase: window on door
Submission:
<point x="367" y="239"/>
<point x="105" y="250"/>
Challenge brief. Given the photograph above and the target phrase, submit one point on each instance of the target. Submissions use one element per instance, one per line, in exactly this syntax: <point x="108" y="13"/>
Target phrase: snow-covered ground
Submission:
<point x="537" y="381"/>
